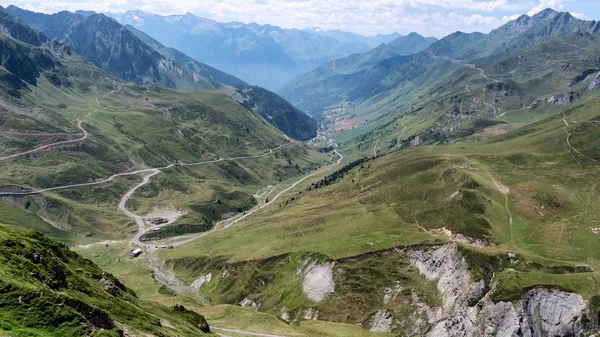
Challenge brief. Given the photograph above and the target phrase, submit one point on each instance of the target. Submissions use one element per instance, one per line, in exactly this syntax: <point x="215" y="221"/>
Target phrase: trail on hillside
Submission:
<point x="482" y="73"/>
<point x="505" y="190"/>
<point x="171" y="281"/>
<point x="571" y="148"/>
<point x="150" y="170"/>
<point x="66" y="142"/>
<point x="240" y="332"/>
<point x="228" y="223"/>
<point x="375" y="148"/>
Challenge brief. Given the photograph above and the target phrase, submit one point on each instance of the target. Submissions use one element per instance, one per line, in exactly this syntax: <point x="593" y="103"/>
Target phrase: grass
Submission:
<point x="49" y="290"/>
<point x="13" y="215"/>
<point x="392" y="200"/>
<point x="134" y="127"/>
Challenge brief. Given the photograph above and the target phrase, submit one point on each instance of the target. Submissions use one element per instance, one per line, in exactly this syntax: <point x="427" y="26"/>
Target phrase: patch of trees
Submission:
<point x="339" y="174"/>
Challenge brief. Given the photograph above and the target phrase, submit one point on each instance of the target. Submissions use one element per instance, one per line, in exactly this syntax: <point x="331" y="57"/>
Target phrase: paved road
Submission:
<point x="148" y="170"/>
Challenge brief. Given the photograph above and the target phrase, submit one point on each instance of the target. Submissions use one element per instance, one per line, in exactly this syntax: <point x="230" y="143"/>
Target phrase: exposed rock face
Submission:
<point x="547" y="313"/>
<point x="563" y="100"/>
<point x="467" y="312"/>
<point x="318" y="281"/>
<point x="596" y="83"/>
<point x="381" y="321"/>
<point x="108" y="286"/>
<point x="248" y="303"/>
<point x="201" y="281"/>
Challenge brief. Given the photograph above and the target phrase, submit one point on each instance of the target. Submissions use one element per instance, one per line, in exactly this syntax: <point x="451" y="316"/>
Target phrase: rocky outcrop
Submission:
<point x="318" y="281"/>
<point x="596" y="83"/>
<point x="381" y="321"/>
<point x="248" y="303"/>
<point x="467" y="311"/>
<point x="205" y="279"/>
<point x="562" y="100"/>
<point x="551" y="313"/>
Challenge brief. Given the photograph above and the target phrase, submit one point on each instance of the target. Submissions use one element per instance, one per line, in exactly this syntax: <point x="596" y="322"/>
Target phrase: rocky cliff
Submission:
<point x="468" y="311"/>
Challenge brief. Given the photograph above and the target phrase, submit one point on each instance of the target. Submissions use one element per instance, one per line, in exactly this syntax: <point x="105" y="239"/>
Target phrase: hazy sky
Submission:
<point x="369" y="17"/>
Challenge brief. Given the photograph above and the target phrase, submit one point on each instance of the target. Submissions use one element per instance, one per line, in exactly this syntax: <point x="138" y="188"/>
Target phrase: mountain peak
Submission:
<point x="546" y="13"/>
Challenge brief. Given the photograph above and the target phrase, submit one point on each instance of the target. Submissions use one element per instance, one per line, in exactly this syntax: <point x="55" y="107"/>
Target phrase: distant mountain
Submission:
<point x="331" y="81"/>
<point x="15" y="29"/>
<point x="113" y="48"/>
<point x="273" y="108"/>
<point x="135" y="57"/>
<point x="360" y="82"/>
<point x="347" y="37"/>
<point x="263" y="55"/>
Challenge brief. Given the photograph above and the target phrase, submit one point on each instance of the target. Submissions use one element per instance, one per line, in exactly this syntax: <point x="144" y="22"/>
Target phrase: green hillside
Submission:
<point x="51" y="95"/>
<point x="451" y="192"/>
<point x="530" y="192"/>
<point x="48" y="290"/>
<point x="132" y="56"/>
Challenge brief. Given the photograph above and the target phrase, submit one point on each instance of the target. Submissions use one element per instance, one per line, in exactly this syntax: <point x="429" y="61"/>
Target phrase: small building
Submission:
<point x="157" y="221"/>
<point x="136" y="252"/>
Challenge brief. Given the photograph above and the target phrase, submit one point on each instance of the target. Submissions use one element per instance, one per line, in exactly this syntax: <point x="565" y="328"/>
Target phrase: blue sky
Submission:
<point x="427" y="17"/>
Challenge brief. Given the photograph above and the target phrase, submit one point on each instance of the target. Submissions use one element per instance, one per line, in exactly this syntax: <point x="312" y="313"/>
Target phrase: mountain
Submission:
<point x="48" y="290"/>
<point x="133" y="56"/>
<point x="273" y="108"/>
<point x="113" y="48"/>
<point x="18" y="31"/>
<point x="392" y="83"/>
<point x="347" y="37"/>
<point x="468" y="238"/>
<point x="451" y="192"/>
<point x="101" y="126"/>
<point x="263" y="55"/>
<point x="333" y="79"/>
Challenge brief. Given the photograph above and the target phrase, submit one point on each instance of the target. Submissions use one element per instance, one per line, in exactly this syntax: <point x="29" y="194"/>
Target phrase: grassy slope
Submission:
<point x="135" y="274"/>
<point x="393" y="200"/>
<point x="133" y="127"/>
<point x="47" y="290"/>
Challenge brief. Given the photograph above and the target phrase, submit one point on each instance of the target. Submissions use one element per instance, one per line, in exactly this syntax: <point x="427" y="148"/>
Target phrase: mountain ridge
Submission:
<point x="456" y="48"/>
<point x="120" y="52"/>
<point x="287" y="52"/>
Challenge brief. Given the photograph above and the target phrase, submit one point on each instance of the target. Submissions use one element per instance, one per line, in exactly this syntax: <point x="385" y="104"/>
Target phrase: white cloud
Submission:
<point x="428" y="17"/>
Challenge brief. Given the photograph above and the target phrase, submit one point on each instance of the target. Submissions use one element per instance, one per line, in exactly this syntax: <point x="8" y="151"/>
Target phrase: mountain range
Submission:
<point x="384" y="86"/>
<point x="451" y="188"/>
<point x="263" y="55"/>
<point x="121" y="52"/>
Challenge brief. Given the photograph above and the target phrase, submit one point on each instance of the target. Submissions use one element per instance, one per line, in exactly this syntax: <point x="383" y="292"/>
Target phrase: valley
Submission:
<point x="402" y="186"/>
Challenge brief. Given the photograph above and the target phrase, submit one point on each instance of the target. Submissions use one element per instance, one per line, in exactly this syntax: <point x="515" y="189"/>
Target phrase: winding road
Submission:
<point x="482" y="73"/>
<point x="240" y="332"/>
<point x="66" y="142"/>
<point x="168" y="280"/>
<point x="149" y="170"/>
<point x="226" y="224"/>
